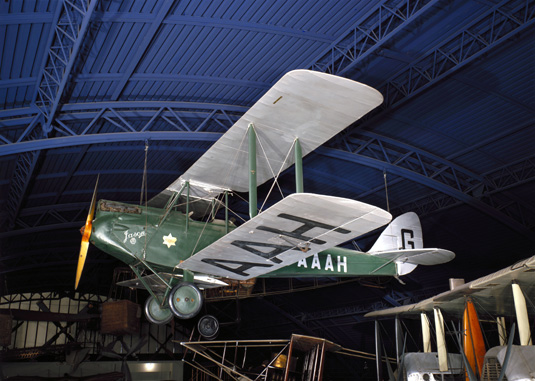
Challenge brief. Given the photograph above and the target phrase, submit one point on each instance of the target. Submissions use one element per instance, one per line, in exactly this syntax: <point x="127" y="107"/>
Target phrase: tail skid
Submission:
<point x="402" y="243"/>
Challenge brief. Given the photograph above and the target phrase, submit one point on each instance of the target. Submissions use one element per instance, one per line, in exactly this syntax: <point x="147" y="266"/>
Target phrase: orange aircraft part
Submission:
<point x="86" y="234"/>
<point x="473" y="344"/>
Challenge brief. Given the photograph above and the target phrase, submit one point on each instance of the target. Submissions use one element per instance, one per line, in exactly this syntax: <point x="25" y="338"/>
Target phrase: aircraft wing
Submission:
<point x="296" y="227"/>
<point x="493" y="294"/>
<point x="156" y="285"/>
<point x="308" y="105"/>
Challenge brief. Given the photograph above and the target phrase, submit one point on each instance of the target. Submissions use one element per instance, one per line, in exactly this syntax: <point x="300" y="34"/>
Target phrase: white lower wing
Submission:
<point x="155" y="283"/>
<point x="492" y="294"/>
<point x="299" y="226"/>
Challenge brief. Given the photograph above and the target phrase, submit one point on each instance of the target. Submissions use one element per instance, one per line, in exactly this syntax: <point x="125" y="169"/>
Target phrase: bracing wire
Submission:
<point x="386" y="191"/>
<point x="232" y="165"/>
<point x="275" y="177"/>
<point x="144" y="187"/>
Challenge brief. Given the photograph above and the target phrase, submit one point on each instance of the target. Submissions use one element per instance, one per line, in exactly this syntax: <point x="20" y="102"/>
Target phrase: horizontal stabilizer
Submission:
<point x="426" y="257"/>
<point x="402" y="242"/>
<point x="408" y="259"/>
<point x="296" y="227"/>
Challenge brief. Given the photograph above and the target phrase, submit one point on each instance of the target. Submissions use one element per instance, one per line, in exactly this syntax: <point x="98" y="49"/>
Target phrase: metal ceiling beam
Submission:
<point x="501" y="22"/>
<point x="292" y="319"/>
<point x="489" y="191"/>
<point x="369" y="34"/>
<point x="142" y="48"/>
<point x="160" y="77"/>
<point x="30" y="112"/>
<point x="374" y="151"/>
<point x="26" y="18"/>
<point x="439" y="175"/>
<point x="485" y="88"/>
<point x="7" y="300"/>
<point x="51" y="261"/>
<point x="69" y="141"/>
<point x="69" y="33"/>
<point x="439" y="201"/>
<point x="22" y="173"/>
<point x="16" y="82"/>
<point x="482" y="35"/>
<point x="177" y="19"/>
<point x="494" y="192"/>
<point x="72" y="22"/>
<point x="50" y="217"/>
<point x="357" y="311"/>
<point x="86" y="118"/>
<point x="119" y="171"/>
<point x="43" y="228"/>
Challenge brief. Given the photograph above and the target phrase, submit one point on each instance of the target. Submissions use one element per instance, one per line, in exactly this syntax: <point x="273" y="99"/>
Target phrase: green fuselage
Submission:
<point x="135" y="235"/>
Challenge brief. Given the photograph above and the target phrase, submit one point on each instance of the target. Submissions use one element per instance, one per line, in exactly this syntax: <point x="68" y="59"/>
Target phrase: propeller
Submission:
<point x="108" y="351"/>
<point x="86" y="234"/>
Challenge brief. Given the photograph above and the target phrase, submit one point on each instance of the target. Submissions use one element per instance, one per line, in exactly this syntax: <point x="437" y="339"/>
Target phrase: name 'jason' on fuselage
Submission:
<point x="132" y="233"/>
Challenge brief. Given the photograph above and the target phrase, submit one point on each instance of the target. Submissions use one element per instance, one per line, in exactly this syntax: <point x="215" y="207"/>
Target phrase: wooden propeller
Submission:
<point x="86" y="234"/>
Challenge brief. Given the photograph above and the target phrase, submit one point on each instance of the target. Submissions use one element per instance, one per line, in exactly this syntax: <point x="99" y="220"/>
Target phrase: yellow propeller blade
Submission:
<point x="85" y="237"/>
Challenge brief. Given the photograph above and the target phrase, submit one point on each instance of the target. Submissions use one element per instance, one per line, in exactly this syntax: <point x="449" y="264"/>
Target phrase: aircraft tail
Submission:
<point x="402" y="242"/>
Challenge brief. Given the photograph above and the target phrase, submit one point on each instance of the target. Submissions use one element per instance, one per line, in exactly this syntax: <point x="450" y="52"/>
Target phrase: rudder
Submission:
<point x="404" y="232"/>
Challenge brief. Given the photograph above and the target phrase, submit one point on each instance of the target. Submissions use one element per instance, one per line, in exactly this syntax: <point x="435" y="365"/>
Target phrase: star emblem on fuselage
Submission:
<point x="169" y="240"/>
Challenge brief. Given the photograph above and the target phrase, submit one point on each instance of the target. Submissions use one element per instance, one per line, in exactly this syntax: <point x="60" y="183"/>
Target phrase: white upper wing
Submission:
<point x="303" y="104"/>
<point x="296" y="227"/>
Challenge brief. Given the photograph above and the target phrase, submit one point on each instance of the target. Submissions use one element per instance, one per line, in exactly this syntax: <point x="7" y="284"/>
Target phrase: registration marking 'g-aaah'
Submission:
<point x="341" y="263"/>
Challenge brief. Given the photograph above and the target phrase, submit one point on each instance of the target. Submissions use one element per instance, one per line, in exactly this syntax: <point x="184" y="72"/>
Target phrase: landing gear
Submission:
<point x="185" y="300"/>
<point x="208" y="327"/>
<point x="155" y="313"/>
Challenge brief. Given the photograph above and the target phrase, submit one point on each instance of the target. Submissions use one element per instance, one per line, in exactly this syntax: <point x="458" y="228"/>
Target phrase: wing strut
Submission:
<point x="187" y="206"/>
<point x="441" y="340"/>
<point x="252" y="171"/>
<point x="298" y="152"/>
<point x="426" y="333"/>
<point x="171" y="204"/>
<point x="521" y="315"/>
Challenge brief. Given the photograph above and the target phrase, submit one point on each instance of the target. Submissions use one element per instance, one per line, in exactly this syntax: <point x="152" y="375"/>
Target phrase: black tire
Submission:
<point x="208" y="327"/>
<point x="156" y="314"/>
<point x="185" y="300"/>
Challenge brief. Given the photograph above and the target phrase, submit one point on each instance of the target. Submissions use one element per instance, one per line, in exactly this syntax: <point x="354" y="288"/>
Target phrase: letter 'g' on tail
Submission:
<point x="404" y="232"/>
<point x="402" y="242"/>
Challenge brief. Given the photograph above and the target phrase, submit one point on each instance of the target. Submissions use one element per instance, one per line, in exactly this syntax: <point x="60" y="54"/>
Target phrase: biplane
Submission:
<point x="504" y="298"/>
<point x="177" y="240"/>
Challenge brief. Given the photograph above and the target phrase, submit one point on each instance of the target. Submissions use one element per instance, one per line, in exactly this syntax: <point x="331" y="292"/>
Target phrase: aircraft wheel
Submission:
<point x="185" y="300"/>
<point x="208" y="327"/>
<point x="155" y="313"/>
